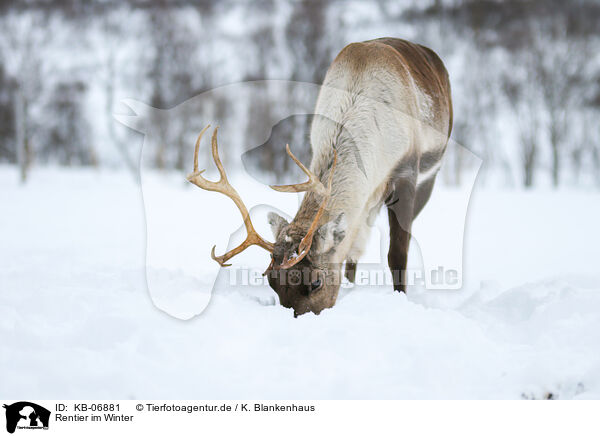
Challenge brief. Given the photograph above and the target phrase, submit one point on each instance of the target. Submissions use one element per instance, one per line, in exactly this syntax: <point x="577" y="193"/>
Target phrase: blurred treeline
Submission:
<point x="525" y="76"/>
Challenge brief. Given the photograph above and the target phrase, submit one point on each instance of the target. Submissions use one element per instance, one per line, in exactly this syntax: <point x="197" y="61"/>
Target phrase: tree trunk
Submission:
<point x="21" y="131"/>
<point x="110" y="97"/>
<point x="529" y="164"/>
<point x="554" y="143"/>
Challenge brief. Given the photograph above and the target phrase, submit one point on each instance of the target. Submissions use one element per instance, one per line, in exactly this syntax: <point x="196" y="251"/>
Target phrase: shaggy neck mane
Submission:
<point x="344" y="189"/>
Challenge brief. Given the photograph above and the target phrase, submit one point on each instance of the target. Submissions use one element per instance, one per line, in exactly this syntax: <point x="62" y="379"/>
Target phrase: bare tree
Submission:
<point x="65" y="135"/>
<point x="20" y="41"/>
<point x="558" y="61"/>
<point x="311" y="47"/>
<point x="259" y="109"/>
<point x="112" y="30"/>
<point x="7" y="117"/>
<point x="522" y="97"/>
<point x="171" y="75"/>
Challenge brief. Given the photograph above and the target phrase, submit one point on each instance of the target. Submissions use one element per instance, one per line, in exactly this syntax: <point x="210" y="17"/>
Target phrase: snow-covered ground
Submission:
<point x="77" y="319"/>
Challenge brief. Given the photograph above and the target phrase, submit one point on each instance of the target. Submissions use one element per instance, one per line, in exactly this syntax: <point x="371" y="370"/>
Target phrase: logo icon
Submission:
<point x="26" y="415"/>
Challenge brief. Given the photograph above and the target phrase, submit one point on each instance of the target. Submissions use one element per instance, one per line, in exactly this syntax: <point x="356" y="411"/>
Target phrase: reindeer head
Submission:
<point x="305" y="270"/>
<point x="306" y="279"/>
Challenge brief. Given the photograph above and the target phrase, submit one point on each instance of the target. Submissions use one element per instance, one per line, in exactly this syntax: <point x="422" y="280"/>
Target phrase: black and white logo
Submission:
<point x="26" y="415"/>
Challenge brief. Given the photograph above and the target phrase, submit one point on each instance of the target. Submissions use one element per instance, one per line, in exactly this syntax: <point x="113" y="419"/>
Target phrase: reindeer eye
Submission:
<point x="316" y="285"/>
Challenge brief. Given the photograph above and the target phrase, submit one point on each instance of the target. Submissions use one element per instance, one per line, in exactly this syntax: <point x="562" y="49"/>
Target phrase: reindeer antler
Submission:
<point x="312" y="183"/>
<point x="223" y="186"/>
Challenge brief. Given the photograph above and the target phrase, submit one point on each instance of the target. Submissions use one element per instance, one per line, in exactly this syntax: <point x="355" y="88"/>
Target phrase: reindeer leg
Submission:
<point x="350" y="271"/>
<point x="357" y="248"/>
<point x="423" y="193"/>
<point x="400" y="213"/>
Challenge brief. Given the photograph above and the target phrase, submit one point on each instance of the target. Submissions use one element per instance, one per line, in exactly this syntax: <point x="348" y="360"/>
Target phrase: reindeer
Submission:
<point x="393" y="110"/>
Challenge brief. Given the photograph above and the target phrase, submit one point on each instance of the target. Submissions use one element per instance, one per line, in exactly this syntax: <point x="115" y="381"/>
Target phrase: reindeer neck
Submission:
<point x="348" y="195"/>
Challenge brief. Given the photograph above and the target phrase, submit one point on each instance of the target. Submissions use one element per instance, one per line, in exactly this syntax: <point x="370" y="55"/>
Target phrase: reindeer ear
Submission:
<point x="142" y="113"/>
<point x="276" y="222"/>
<point x="332" y="233"/>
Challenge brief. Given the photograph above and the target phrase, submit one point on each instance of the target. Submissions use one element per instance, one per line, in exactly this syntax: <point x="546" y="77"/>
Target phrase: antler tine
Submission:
<point x="312" y="183"/>
<point x="306" y="242"/>
<point x="215" y="153"/>
<point x="223" y="186"/>
<point x="197" y="146"/>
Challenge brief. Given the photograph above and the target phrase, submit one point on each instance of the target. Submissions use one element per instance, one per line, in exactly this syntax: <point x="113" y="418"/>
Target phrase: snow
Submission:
<point x="77" y="319"/>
